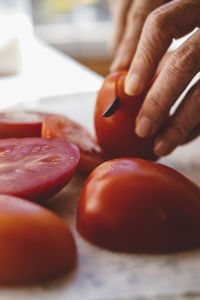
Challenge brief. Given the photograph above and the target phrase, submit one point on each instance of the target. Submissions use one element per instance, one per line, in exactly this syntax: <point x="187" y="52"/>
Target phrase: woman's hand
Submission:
<point x="171" y="20"/>
<point x="128" y="17"/>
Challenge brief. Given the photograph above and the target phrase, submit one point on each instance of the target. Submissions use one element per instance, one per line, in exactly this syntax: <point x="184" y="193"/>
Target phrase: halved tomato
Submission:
<point x="91" y="154"/>
<point x="21" y="124"/>
<point x="36" y="245"/>
<point x="135" y="205"/>
<point x="36" y="168"/>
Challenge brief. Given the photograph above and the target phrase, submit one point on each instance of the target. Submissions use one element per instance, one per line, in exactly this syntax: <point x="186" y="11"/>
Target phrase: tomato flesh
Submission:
<point x="116" y="134"/>
<point x="21" y="124"/>
<point x="36" y="245"/>
<point x="91" y="154"/>
<point x="135" y="205"/>
<point x="36" y="168"/>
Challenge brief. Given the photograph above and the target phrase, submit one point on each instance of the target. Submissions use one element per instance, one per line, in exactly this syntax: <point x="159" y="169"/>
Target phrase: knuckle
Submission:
<point x="181" y="130"/>
<point x="183" y="60"/>
<point x="156" y="20"/>
<point x="156" y="32"/>
<point x="193" y="103"/>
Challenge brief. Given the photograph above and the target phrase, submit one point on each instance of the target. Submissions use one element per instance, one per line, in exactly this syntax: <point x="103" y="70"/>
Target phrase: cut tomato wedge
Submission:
<point x="36" y="245"/>
<point x="36" y="168"/>
<point x="21" y="124"/>
<point x="91" y="154"/>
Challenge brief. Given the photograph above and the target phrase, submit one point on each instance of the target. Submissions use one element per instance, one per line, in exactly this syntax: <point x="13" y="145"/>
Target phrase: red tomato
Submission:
<point x="36" y="245"/>
<point x="36" y="168"/>
<point x="116" y="134"/>
<point x="21" y="124"/>
<point x="61" y="127"/>
<point x="135" y="205"/>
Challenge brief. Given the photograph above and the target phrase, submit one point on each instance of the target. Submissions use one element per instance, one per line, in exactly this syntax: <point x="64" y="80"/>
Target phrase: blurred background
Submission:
<point x="79" y="28"/>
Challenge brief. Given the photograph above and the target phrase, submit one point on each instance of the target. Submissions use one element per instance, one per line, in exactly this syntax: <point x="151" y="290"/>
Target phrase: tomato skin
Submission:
<point x="36" y="168"/>
<point x="91" y="155"/>
<point x="21" y="124"/>
<point x="134" y="205"/>
<point x="116" y="134"/>
<point x="36" y="245"/>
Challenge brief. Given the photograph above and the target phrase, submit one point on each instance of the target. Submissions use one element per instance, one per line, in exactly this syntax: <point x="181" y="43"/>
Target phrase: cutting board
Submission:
<point x="102" y="274"/>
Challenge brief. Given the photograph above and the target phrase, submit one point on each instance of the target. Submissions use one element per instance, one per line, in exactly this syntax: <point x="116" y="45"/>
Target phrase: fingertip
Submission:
<point x="113" y="67"/>
<point x="133" y="84"/>
<point x="143" y="127"/>
<point x="162" y="147"/>
<point x="118" y="64"/>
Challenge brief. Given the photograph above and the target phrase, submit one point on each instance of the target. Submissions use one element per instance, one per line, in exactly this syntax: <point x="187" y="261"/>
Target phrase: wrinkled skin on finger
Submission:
<point x="167" y="21"/>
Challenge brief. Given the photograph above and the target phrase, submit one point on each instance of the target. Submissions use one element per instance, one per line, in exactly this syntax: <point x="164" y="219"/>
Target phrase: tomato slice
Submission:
<point x="36" y="168"/>
<point x="21" y="124"/>
<point x="36" y="245"/>
<point x="135" y="205"/>
<point x="91" y="154"/>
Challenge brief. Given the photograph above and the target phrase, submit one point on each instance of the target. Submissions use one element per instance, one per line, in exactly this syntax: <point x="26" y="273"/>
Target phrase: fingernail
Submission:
<point x="161" y="148"/>
<point x="143" y="127"/>
<point x="133" y="85"/>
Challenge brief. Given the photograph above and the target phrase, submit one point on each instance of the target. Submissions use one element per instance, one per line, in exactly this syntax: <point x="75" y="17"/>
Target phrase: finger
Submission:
<point x="169" y="21"/>
<point x="193" y="134"/>
<point x="172" y="80"/>
<point x="137" y="15"/>
<point x="185" y="120"/>
<point x="163" y="61"/>
<point x="119" y="11"/>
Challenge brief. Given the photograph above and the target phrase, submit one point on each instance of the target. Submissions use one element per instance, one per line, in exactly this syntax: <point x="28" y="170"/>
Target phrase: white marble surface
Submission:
<point x="102" y="274"/>
<point x="45" y="72"/>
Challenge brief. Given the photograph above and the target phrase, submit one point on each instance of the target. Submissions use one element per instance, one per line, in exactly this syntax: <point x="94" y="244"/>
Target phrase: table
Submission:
<point x="100" y="274"/>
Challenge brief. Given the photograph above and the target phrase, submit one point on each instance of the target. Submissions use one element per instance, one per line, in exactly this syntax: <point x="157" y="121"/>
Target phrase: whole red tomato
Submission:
<point x="116" y="134"/>
<point x="135" y="205"/>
